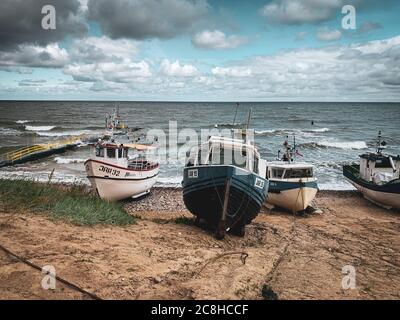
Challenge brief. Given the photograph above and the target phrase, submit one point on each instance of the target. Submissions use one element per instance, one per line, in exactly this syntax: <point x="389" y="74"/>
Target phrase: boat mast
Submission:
<point x="380" y="145"/>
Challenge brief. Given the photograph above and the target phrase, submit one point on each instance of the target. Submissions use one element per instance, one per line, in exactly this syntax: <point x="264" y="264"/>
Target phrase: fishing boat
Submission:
<point x="377" y="176"/>
<point x="115" y="175"/>
<point x="292" y="184"/>
<point x="224" y="184"/>
<point x="114" y="124"/>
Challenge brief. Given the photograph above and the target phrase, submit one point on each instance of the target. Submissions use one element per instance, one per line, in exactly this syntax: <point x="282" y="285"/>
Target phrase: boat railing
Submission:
<point x="142" y="165"/>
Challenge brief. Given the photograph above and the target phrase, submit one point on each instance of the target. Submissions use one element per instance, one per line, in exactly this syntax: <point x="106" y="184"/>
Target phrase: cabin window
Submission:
<point x="125" y="153"/>
<point x="120" y="151"/>
<point x="110" y="153"/>
<point x="277" y="173"/>
<point x="255" y="166"/>
<point x="298" y="173"/>
<point x="99" y="152"/>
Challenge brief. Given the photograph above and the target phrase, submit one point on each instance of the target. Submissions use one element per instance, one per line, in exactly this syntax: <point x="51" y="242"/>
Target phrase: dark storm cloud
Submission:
<point x="141" y="19"/>
<point x="21" y="22"/>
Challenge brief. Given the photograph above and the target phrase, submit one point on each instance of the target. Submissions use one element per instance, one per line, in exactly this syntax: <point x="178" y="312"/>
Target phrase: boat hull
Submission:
<point x="386" y="195"/>
<point x="115" y="183"/>
<point x="293" y="196"/>
<point x="204" y="193"/>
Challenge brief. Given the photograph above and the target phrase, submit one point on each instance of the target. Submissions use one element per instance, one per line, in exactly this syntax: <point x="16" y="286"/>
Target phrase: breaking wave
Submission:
<point x="65" y="133"/>
<point x="62" y="160"/>
<point x="356" y="145"/>
<point x="318" y="130"/>
<point x="289" y="131"/>
<point x="22" y="121"/>
<point x="9" y="132"/>
<point x="39" y="128"/>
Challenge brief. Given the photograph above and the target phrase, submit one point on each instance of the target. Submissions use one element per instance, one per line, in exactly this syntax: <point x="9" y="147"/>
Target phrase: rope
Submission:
<point x="67" y="283"/>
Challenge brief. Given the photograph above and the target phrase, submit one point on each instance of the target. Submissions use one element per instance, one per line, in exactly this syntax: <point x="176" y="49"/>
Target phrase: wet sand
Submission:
<point x="159" y="257"/>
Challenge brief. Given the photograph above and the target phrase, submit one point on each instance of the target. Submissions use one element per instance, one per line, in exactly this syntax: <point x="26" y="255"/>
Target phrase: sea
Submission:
<point x="328" y="135"/>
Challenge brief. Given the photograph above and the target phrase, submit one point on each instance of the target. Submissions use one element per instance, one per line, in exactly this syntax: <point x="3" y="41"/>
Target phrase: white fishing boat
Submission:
<point x="116" y="176"/>
<point x="292" y="184"/>
<point x="377" y="176"/>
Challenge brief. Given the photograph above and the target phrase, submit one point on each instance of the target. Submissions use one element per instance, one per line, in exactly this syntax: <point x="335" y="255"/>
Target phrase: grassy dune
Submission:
<point x="72" y="204"/>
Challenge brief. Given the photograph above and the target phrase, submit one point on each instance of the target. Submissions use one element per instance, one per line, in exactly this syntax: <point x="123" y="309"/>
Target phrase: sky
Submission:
<point x="200" y="50"/>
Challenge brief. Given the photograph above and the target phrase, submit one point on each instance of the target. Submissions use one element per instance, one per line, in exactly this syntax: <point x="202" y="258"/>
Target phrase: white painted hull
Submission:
<point x="384" y="199"/>
<point x="294" y="199"/>
<point x="115" y="183"/>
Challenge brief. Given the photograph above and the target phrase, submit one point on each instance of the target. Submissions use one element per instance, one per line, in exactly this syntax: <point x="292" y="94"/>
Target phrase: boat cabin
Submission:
<point x="290" y="171"/>
<point x="379" y="168"/>
<point x="118" y="155"/>
<point x="227" y="151"/>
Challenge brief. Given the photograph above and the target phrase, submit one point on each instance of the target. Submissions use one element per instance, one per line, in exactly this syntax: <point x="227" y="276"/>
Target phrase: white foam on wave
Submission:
<point x="169" y="181"/>
<point x="291" y="131"/>
<point x="336" y="186"/>
<point x="9" y="132"/>
<point x="63" y="160"/>
<point x="39" y="128"/>
<point x="65" y="133"/>
<point x="357" y="145"/>
<point x="319" y="130"/>
<point x="22" y="121"/>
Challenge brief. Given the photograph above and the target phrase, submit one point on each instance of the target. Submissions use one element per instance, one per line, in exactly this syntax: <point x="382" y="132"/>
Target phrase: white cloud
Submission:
<point x="326" y="34"/>
<point x="350" y="72"/>
<point x="176" y="69"/>
<point x="95" y="49"/>
<point x="217" y="40"/>
<point x="50" y="56"/>
<point x="232" y="72"/>
<point x="111" y="71"/>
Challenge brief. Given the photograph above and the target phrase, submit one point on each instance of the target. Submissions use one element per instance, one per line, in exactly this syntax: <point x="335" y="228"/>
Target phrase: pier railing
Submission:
<point x="37" y="148"/>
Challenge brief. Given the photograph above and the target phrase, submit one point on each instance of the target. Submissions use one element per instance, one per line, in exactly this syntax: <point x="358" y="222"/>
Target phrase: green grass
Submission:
<point x="184" y="220"/>
<point x="72" y="204"/>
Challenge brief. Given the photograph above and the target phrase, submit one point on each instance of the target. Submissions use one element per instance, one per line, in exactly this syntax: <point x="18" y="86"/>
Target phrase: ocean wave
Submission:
<point x="272" y="131"/>
<point x="9" y="132"/>
<point x="268" y="132"/>
<point x="356" y="145"/>
<point x="22" y="121"/>
<point x="318" y="130"/>
<point x="39" y="128"/>
<point x="62" y="160"/>
<point x="65" y="133"/>
<point x="169" y="181"/>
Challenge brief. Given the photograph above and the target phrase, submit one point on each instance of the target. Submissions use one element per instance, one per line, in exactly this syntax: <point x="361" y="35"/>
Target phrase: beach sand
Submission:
<point x="298" y="257"/>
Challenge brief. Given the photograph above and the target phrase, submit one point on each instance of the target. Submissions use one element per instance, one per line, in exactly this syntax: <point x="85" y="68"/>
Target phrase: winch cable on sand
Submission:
<point x="67" y="283"/>
<point x="292" y="232"/>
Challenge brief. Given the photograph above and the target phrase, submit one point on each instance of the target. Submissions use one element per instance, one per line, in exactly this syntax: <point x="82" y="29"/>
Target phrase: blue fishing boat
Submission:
<point x="293" y="185"/>
<point x="377" y="176"/>
<point x="224" y="184"/>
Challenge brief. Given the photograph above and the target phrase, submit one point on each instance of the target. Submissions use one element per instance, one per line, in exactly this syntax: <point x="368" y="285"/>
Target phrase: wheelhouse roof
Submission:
<point x="375" y="157"/>
<point x="291" y="165"/>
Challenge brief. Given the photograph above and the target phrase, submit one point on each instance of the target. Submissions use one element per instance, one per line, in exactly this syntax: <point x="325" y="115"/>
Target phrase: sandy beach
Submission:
<point x="164" y="257"/>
